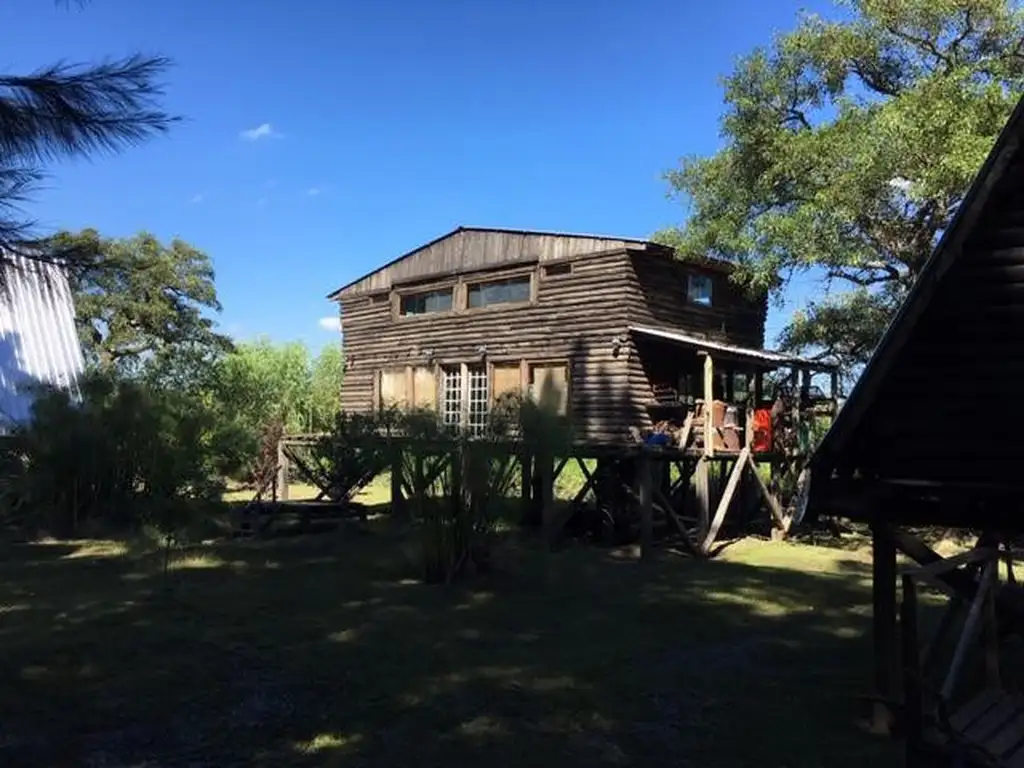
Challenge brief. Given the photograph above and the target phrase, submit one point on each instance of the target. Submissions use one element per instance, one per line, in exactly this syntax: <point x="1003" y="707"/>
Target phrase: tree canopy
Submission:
<point x="140" y="303"/>
<point x="61" y="111"/>
<point x="848" y="146"/>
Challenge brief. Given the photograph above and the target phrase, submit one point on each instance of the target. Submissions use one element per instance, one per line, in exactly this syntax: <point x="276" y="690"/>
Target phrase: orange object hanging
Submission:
<point x="762" y="438"/>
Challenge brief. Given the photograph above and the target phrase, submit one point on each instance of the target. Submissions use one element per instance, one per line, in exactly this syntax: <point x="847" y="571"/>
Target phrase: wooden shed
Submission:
<point x="620" y="324"/>
<point x="926" y="437"/>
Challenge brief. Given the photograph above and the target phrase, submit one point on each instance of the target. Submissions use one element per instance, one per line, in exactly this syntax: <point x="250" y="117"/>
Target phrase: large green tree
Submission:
<point x="143" y="306"/>
<point x="61" y="111"/>
<point x="848" y="146"/>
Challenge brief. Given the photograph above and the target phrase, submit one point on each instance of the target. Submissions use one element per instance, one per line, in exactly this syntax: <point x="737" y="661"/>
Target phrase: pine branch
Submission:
<point x="69" y="110"/>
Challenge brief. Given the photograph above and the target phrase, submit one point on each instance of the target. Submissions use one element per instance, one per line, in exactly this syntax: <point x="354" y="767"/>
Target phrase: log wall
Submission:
<point x="581" y="317"/>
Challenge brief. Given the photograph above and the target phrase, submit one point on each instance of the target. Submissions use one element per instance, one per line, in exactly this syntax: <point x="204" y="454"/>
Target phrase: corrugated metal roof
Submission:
<point x="760" y="355"/>
<point x="38" y="340"/>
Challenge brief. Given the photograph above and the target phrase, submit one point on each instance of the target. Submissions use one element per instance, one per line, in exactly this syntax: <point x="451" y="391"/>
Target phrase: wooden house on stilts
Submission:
<point x="925" y="440"/>
<point x="654" y="359"/>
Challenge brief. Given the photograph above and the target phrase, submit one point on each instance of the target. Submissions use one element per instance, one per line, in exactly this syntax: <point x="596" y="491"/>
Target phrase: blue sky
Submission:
<point x="324" y="138"/>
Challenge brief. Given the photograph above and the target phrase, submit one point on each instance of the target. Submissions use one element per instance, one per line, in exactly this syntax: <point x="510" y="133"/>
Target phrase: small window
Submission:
<point x="549" y="385"/>
<point x="698" y="290"/>
<point x="557" y="270"/>
<point x="426" y="302"/>
<point x="512" y="290"/>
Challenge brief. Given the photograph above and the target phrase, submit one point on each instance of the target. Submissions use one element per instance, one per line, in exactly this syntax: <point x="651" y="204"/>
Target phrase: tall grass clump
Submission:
<point x="121" y="457"/>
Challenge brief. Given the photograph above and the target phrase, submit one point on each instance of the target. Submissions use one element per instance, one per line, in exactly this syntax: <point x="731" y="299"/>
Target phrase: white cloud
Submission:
<point x="261" y="131"/>
<point x="331" y="323"/>
<point x="313" y="191"/>
<point x="197" y="198"/>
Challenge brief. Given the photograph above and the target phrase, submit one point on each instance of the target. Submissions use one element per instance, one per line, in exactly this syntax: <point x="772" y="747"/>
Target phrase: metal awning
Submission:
<point x="762" y="357"/>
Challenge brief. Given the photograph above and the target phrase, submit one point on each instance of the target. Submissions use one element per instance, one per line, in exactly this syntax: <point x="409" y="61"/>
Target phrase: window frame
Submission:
<point x="469" y="283"/>
<point x="690" y="277"/>
<point x="399" y="294"/>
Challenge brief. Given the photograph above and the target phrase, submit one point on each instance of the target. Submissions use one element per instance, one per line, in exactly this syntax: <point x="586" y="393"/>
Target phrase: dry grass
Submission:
<point x="327" y="650"/>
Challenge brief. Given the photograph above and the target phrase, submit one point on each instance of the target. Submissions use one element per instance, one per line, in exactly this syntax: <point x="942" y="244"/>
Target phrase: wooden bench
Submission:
<point x="987" y="728"/>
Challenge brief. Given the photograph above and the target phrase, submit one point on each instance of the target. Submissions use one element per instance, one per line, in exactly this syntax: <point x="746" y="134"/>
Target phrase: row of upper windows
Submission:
<point x="514" y="290"/>
<point x="509" y="290"/>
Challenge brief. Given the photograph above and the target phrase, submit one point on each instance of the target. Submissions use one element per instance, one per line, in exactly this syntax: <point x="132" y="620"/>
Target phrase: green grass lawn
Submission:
<point x="327" y="650"/>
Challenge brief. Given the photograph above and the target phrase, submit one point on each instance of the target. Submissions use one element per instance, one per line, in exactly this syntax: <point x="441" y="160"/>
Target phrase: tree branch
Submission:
<point x="65" y="110"/>
<point x="922" y="43"/>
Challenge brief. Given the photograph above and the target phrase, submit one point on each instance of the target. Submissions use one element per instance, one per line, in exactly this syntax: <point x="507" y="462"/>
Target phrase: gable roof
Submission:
<point x="472" y="248"/>
<point x="964" y="310"/>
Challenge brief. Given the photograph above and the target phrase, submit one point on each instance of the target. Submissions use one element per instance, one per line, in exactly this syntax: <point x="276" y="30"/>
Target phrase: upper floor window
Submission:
<point x="427" y="301"/>
<point x="507" y="291"/>
<point x="698" y="289"/>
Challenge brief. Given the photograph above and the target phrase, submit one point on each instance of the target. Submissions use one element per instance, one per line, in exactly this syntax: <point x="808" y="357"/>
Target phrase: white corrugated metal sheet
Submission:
<point x="38" y="341"/>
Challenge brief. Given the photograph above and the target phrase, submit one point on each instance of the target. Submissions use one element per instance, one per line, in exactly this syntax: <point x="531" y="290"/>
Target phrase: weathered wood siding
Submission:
<point x="581" y="317"/>
<point x="656" y="292"/>
<point x="576" y="318"/>
<point x="962" y="364"/>
<point x="469" y="250"/>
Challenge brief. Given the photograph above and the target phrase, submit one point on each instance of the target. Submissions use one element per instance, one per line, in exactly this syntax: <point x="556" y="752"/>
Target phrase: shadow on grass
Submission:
<point x="326" y="650"/>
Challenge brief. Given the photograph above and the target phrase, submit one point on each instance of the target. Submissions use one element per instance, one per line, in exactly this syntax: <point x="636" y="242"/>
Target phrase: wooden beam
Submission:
<point x="685" y="433"/>
<point x="398" y="505"/>
<point x="526" y="489"/>
<point x="724" y="503"/>
<point x="547" y="486"/>
<point x="990" y="626"/>
<point x="883" y="588"/>
<point x="670" y="513"/>
<point x="282" y="473"/>
<point x="969" y="631"/>
<point x="773" y="504"/>
<point x="913" y="703"/>
<point x="709" y="399"/>
<point x="702" y="495"/>
<point x="645" y="481"/>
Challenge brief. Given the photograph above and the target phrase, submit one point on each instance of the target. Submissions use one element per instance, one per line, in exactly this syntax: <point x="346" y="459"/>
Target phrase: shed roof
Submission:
<point x="471" y="248"/>
<point x="934" y="410"/>
<point x="761" y="357"/>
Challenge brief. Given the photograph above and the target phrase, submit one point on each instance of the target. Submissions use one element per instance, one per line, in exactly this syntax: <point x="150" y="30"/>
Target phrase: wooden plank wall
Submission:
<point x="576" y="318"/>
<point x="469" y="250"/>
<point x="656" y="295"/>
<point x="962" y="365"/>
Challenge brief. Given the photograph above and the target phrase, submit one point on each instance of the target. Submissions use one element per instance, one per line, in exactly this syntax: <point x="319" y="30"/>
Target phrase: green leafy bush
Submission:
<point x="123" y="457"/>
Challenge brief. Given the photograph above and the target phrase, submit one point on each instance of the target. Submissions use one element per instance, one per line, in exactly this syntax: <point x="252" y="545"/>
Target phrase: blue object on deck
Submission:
<point x="658" y="438"/>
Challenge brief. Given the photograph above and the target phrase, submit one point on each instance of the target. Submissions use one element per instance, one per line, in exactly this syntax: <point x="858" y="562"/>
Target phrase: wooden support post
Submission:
<point x="726" y="500"/>
<point x="545" y="465"/>
<point x="709" y="399"/>
<point x="991" y="625"/>
<point x="969" y="631"/>
<point x="913" y="703"/>
<point x="778" y="516"/>
<point x="398" y="505"/>
<point x="645" y="482"/>
<point x="883" y="587"/>
<point x="702" y="496"/>
<point x="282" y="473"/>
<point x="526" y="470"/>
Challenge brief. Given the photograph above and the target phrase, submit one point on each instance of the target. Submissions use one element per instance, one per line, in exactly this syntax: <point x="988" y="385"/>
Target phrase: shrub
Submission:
<point x="124" y="456"/>
<point x="353" y="452"/>
<point x="459" y="483"/>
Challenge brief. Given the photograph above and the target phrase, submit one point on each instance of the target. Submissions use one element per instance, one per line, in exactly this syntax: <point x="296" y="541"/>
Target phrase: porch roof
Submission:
<point x="762" y="358"/>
